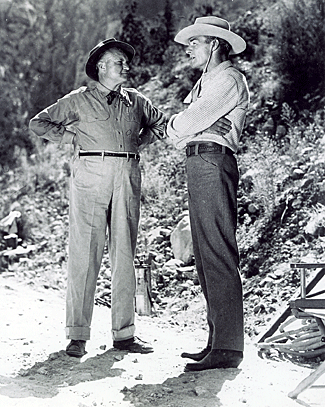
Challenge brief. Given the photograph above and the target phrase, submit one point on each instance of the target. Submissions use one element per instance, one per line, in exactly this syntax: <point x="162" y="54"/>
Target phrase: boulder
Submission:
<point x="181" y="240"/>
<point x="316" y="224"/>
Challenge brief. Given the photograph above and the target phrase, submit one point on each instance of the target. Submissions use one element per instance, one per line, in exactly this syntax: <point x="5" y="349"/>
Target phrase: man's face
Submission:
<point x="198" y="51"/>
<point x="117" y="66"/>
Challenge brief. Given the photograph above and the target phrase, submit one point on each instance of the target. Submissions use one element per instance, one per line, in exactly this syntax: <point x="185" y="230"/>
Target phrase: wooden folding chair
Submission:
<point x="307" y="307"/>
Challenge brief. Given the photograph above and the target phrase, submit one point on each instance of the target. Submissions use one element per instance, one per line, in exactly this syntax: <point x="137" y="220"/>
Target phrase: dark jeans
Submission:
<point x="212" y="188"/>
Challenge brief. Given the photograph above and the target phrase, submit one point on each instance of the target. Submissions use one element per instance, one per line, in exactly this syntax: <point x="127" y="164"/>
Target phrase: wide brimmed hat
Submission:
<point x="96" y="52"/>
<point x="214" y="27"/>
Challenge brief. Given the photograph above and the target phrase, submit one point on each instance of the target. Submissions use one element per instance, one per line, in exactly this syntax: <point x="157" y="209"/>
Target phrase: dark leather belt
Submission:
<point x="108" y="154"/>
<point x="207" y="147"/>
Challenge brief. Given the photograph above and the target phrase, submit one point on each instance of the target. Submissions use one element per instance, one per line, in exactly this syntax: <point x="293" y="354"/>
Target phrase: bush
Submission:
<point x="297" y="52"/>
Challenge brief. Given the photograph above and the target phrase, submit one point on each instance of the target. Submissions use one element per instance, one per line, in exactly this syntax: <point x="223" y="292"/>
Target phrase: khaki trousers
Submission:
<point x="104" y="196"/>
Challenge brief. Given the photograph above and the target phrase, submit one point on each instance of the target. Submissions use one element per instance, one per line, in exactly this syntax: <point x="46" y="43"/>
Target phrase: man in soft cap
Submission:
<point x="108" y="125"/>
<point x="212" y="183"/>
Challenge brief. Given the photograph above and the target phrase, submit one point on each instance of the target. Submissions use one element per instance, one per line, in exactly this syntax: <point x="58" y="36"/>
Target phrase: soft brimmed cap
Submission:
<point x="214" y="27"/>
<point x="99" y="49"/>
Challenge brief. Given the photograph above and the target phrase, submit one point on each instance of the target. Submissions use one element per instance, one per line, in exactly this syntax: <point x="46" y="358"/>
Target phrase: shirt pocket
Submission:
<point x="94" y="116"/>
<point x="131" y="115"/>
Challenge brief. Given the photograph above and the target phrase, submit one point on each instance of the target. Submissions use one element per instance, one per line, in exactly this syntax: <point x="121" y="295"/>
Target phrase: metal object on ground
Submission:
<point x="143" y="300"/>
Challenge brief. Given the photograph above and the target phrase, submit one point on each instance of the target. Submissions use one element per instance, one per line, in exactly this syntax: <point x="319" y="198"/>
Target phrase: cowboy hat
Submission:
<point x="214" y="27"/>
<point x="97" y="51"/>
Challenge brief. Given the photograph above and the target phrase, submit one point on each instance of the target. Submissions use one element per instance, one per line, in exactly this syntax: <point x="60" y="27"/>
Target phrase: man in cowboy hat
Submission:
<point x="212" y="183"/>
<point x="107" y="124"/>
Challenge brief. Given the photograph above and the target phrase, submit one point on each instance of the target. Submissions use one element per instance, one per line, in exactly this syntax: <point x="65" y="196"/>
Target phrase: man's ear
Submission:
<point x="214" y="45"/>
<point x="101" y="65"/>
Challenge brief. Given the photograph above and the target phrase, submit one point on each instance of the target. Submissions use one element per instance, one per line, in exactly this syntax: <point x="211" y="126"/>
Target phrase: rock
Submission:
<point x="200" y="390"/>
<point x="297" y="173"/>
<point x="269" y="127"/>
<point x="252" y="208"/>
<point x="181" y="240"/>
<point x="23" y="372"/>
<point x="306" y="182"/>
<point x="248" y="177"/>
<point x="157" y="235"/>
<point x="315" y="225"/>
<point x="321" y="193"/>
<point x="42" y="371"/>
<point x="54" y="355"/>
<point x="259" y="308"/>
<point x="173" y="264"/>
<point x="168" y="389"/>
<point x="281" y="131"/>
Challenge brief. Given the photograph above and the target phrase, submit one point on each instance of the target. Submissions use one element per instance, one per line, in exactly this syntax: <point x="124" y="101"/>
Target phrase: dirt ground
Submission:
<point x="35" y="371"/>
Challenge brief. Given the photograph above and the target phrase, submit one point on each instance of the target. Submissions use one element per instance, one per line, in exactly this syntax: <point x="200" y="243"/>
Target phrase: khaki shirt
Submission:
<point x="99" y="126"/>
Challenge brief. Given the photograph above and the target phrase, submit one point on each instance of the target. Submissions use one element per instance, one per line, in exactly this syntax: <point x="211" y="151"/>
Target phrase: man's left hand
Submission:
<point x="221" y="127"/>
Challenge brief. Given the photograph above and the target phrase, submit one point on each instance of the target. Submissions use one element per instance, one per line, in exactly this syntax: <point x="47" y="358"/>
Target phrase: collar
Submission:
<point x="204" y="77"/>
<point x="215" y="71"/>
<point x="105" y="91"/>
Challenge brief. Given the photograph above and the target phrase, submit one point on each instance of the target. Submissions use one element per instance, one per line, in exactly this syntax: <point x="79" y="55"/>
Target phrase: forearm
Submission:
<point x="154" y="129"/>
<point x="217" y="100"/>
<point x="174" y="134"/>
<point x="53" y="122"/>
<point x="41" y="126"/>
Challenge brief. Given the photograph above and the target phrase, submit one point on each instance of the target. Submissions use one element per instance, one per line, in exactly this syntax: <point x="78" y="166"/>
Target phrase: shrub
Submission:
<point x="297" y="52"/>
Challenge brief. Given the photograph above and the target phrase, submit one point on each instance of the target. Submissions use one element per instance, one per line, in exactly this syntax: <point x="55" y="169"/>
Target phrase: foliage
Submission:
<point x="14" y="75"/>
<point x="164" y="183"/>
<point x="230" y="10"/>
<point x="44" y="47"/>
<point x="265" y="174"/>
<point x="297" y="52"/>
<point x="279" y="188"/>
<point x="151" y="40"/>
<point x="250" y="26"/>
<point x="133" y="31"/>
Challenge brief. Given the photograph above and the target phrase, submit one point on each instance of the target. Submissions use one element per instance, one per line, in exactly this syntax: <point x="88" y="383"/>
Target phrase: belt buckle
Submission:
<point x="190" y="148"/>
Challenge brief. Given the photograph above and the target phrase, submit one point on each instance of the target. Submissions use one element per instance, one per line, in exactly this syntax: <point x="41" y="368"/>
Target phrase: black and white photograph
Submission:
<point x="162" y="204"/>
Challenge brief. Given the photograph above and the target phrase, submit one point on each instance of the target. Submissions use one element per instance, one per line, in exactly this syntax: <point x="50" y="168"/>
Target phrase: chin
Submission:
<point x="195" y="65"/>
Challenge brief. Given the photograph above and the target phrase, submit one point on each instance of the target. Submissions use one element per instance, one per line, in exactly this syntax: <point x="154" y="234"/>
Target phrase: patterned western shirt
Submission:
<point x="221" y="92"/>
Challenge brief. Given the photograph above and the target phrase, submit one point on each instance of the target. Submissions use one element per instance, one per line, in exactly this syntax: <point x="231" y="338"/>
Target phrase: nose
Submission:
<point x="188" y="50"/>
<point x="126" y="66"/>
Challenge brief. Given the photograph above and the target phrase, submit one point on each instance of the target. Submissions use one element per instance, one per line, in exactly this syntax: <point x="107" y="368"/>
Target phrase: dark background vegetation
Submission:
<point x="44" y="46"/>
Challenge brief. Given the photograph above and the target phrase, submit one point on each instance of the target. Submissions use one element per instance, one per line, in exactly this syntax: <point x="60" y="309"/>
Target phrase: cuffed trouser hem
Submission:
<point x="123" y="334"/>
<point x="77" y="333"/>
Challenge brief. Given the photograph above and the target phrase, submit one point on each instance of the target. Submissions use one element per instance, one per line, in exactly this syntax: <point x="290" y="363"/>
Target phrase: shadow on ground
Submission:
<point x="45" y="378"/>
<point x="190" y="389"/>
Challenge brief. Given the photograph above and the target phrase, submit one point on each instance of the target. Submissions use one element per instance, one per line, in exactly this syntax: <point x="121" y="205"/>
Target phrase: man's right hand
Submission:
<point x="221" y="127"/>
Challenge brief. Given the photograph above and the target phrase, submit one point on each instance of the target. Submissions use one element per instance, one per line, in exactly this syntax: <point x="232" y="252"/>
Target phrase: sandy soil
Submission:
<point x="35" y="371"/>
